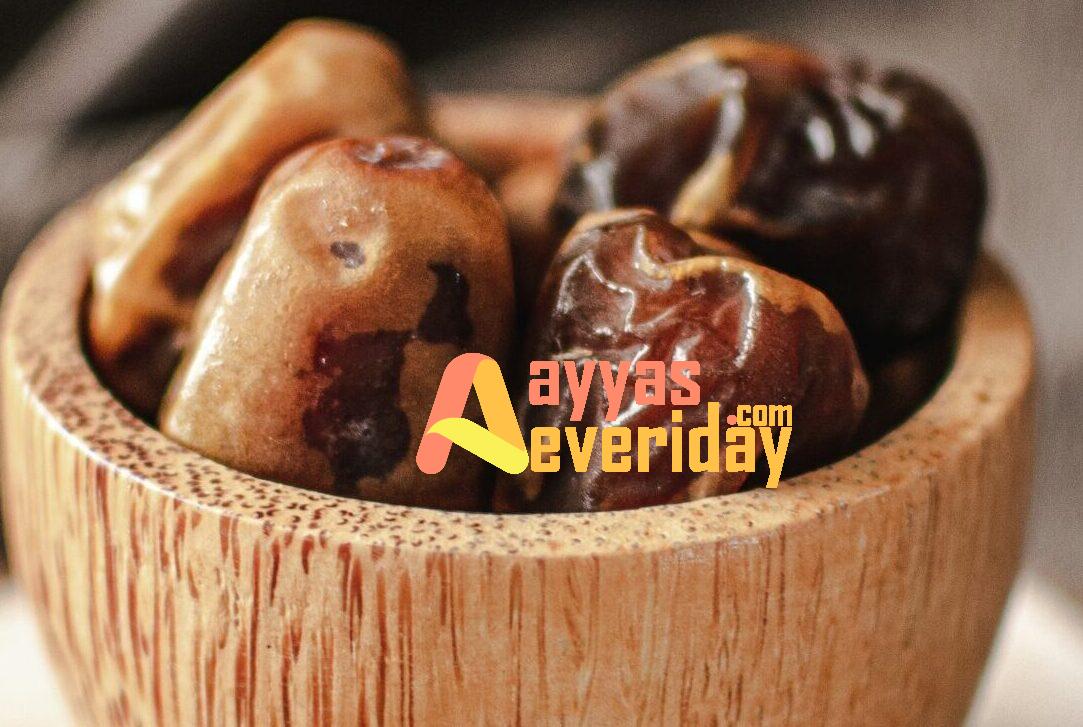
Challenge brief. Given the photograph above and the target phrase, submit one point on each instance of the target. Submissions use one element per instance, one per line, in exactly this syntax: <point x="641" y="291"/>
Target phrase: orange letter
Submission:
<point x="682" y="372"/>
<point x="614" y="387"/>
<point x="550" y="381"/>
<point x="579" y="388"/>
<point x="653" y="380"/>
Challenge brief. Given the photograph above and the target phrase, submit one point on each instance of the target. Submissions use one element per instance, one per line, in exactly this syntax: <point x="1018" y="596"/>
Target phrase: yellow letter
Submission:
<point x="781" y="415"/>
<point x="676" y="442"/>
<point x="747" y="449"/>
<point x="544" y="441"/>
<point x="643" y="450"/>
<point x="705" y="438"/>
<point x="610" y="447"/>
<point x="581" y="453"/>
<point x="775" y="455"/>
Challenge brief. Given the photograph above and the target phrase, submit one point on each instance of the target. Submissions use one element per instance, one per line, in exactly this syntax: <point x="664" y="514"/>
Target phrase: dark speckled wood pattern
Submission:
<point x="173" y="590"/>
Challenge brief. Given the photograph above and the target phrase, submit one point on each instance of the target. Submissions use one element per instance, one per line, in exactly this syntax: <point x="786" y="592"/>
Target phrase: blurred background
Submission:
<point x="86" y="85"/>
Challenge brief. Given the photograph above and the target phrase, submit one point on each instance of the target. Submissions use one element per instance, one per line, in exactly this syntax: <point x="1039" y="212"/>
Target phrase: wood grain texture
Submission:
<point x="173" y="590"/>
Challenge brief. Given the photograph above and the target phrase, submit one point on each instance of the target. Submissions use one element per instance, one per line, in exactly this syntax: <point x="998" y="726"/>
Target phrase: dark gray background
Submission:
<point x="84" y="86"/>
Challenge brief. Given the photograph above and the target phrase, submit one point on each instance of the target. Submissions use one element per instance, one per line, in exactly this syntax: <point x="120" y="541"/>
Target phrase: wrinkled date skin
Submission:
<point x="318" y="347"/>
<point x="628" y="285"/>
<point x="162" y="226"/>
<point x="867" y="184"/>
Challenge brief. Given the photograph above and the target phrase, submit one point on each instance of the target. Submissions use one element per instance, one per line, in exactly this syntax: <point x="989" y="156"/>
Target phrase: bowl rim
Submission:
<point x="42" y="355"/>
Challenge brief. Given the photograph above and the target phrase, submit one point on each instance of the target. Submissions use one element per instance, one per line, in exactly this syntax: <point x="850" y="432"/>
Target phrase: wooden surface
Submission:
<point x="173" y="590"/>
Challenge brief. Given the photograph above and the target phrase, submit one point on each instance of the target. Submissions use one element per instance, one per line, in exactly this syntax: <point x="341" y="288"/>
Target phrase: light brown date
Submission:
<point x="366" y="266"/>
<point x="162" y="226"/>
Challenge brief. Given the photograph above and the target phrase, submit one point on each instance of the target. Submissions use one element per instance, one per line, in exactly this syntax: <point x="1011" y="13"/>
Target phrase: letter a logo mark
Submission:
<point x="499" y="442"/>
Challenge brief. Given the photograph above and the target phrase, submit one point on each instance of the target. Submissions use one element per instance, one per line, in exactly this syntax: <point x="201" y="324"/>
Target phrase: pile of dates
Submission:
<point x="280" y="282"/>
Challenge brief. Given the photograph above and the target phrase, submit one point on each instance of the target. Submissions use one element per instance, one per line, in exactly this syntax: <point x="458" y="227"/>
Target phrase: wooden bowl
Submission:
<point x="174" y="590"/>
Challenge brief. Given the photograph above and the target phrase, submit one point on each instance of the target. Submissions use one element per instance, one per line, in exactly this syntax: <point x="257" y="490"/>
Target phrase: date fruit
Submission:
<point x="627" y="285"/>
<point x="366" y="266"/>
<point x="867" y="184"/>
<point x="162" y="226"/>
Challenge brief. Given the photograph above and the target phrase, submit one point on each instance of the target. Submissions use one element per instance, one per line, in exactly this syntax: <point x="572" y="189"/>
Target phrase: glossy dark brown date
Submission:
<point x="628" y="286"/>
<point x="867" y="184"/>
